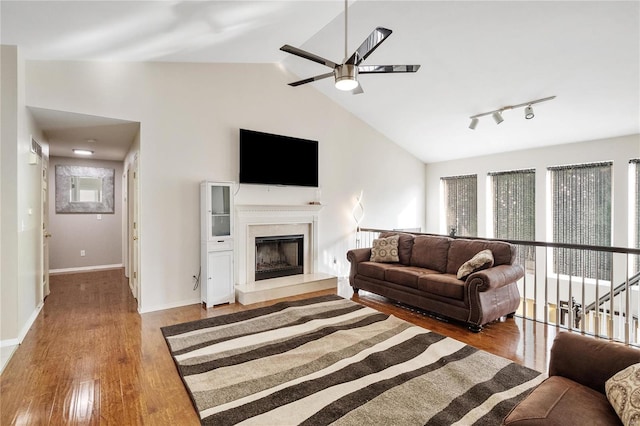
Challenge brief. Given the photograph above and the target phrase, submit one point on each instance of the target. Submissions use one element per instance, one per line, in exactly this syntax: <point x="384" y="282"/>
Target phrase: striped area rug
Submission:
<point x="328" y="360"/>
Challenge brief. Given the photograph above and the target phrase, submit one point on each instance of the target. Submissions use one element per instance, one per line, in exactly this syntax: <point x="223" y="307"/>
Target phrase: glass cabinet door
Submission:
<point x="220" y="211"/>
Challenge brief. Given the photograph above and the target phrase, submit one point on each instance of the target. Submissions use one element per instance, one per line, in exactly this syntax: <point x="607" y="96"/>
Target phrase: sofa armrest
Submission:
<point x="588" y="360"/>
<point x="356" y="256"/>
<point x="495" y="277"/>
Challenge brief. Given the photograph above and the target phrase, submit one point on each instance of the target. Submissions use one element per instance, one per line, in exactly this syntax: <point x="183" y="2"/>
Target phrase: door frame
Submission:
<point x="133" y="225"/>
<point x="44" y="255"/>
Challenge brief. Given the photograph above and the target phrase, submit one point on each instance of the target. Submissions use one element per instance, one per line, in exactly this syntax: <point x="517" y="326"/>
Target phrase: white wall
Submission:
<point x="9" y="192"/>
<point x="619" y="150"/>
<point x="190" y="115"/>
<point x="21" y="214"/>
<point x="100" y="239"/>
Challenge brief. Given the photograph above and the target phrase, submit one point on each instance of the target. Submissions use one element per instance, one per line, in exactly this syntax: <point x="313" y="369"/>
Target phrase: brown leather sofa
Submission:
<point x="574" y="392"/>
<point x="425" y="277"/>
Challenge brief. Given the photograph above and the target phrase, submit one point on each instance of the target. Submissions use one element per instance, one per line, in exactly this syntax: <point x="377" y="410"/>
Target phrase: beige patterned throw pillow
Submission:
<point x="482" y="260"/>
<point x="623" y="392"/>
<point x="385" y="249"/>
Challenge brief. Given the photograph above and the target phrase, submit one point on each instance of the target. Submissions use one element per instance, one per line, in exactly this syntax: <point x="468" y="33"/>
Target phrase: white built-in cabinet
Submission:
<point x="216" y="246"/>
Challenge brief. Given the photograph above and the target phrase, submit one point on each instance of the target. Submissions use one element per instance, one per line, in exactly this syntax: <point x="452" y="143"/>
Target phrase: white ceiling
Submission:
<point x="475" y="57"/>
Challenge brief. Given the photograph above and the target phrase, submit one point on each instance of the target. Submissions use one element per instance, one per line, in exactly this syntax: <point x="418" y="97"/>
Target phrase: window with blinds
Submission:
<point x="514" y="209"/>
<point x="461" y="204"/>
<point x="635" y="165"/>
<point x="581" y="214"/>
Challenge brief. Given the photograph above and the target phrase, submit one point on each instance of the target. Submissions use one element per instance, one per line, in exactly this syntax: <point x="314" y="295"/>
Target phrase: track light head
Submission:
<point x="474" y="123"/>
<point x="528" y="112"/>
<point x="497" y="116"/>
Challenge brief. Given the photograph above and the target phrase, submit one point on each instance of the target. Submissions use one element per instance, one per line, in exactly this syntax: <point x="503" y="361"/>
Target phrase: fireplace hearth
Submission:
<point x="279" y="256"/>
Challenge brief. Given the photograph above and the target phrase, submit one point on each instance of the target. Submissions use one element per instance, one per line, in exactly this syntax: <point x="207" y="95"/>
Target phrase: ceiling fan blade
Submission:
<point x="307" y="55"/>
<point x="369" y="45"/>
<point x="310" y="79"/>
<point x="381" y="69"/>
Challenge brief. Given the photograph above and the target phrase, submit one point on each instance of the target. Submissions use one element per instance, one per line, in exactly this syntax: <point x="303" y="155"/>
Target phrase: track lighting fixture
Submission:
<point x="497" y="114"/>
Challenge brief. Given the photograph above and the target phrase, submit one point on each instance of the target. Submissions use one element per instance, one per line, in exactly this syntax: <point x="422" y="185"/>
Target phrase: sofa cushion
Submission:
<point x="406" y="275"/>
<point x="559" y="401"/>
<point x="445" y="285"/>
<point x="461" y="250"/>
<point x="385" y="249"/>
<point x="482" y="260"/>
<point x="405" y="245"/>
<point x="374" y="269"/>
<point x="623" y="393"/>
<point x="431" y="252"/>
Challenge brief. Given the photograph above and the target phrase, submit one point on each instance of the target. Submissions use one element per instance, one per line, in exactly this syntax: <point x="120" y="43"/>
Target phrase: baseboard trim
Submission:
<point x="29" y="323"/>
<point x="25" y="329"/>
<point x="5" y="355"/>
<point x="9" y="342"/>
<point x="85" y="269"/>
<point x="145" y="310"/>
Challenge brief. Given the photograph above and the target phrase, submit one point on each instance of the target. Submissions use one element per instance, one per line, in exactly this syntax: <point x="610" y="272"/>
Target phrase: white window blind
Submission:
<point x="581" y="206"/>
<point x="514" y="213"/>
<point x="461" y="204"/>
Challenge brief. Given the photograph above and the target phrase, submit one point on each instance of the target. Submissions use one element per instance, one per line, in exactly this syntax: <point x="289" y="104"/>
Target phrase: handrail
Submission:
<point x="607" y="249"/>
<point x="634" y="280"/>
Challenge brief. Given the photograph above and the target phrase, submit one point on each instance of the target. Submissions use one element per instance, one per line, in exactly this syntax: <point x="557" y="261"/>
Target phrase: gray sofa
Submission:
<point x="425" y="277"/>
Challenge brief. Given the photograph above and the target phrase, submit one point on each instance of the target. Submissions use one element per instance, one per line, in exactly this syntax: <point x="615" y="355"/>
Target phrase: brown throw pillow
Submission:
<point x="385" y="250"/>
<point x="623" y="393"/>
<point x="482" y="260"/>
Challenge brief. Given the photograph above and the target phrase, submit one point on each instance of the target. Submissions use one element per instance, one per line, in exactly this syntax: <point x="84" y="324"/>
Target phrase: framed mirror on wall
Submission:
<point x="83" y="189"/>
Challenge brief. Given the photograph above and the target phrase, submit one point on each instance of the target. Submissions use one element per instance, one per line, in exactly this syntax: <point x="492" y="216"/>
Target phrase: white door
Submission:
<point x="45" y="228"/>
<point x="125" y="230"/>
<point x="133" y="230"/>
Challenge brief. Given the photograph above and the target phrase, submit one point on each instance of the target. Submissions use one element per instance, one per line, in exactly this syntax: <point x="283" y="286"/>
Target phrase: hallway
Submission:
<point x="90" y="358"/>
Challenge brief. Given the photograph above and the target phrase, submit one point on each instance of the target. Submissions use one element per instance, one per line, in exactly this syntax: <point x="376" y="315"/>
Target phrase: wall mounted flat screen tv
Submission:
<point x="270" y="159"/>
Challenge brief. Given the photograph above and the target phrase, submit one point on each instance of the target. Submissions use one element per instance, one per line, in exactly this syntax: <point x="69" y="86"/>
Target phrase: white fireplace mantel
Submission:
<point x="277" y="209"/>
<point x="257" y="215"/>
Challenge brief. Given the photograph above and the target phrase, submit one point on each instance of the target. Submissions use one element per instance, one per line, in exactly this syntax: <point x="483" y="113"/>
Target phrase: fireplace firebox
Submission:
<point x="279" y="256"/>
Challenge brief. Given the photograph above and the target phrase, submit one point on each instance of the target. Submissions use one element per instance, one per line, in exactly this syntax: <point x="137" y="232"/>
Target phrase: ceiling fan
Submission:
<point x="346" y="73"/>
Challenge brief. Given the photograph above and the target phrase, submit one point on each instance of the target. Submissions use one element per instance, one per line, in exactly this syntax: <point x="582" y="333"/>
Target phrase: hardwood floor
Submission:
<point x="90" y="358"/>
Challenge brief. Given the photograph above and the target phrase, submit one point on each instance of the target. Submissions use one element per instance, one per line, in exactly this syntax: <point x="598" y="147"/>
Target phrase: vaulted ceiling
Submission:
<point x="475" y="57"/>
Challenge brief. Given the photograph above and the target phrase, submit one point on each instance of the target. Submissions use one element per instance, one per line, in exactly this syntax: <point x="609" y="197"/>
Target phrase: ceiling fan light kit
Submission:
<point x="346" y="77"/>
<point x="497" y="114"/>
<point x="346" y="73"/>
